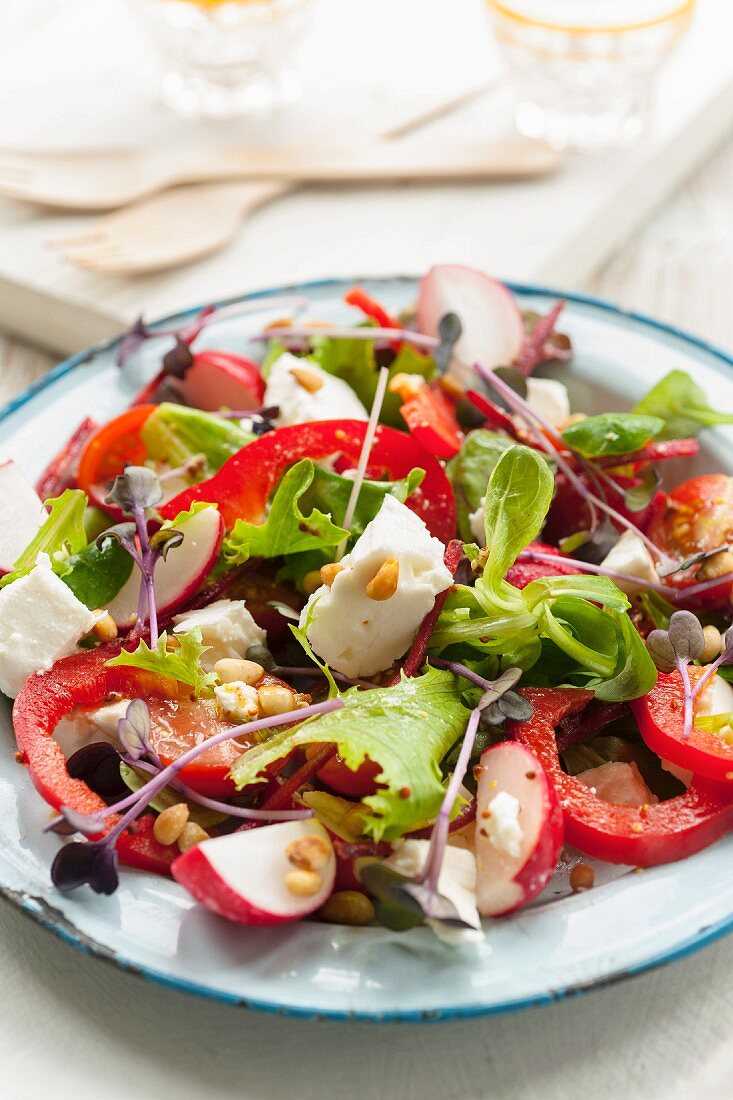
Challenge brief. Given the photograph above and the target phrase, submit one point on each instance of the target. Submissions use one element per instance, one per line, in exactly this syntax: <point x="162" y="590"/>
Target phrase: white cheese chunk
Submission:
<point x="457" y="883"/>
<point x="106" y="718"/>
<point x="333" y="400"/>
<point x="21" y="514"/>
<point x="476" y="520"/>
<point x="42" y="621"/>
<point x="549" y="399"/>
<point x="631" y="556"/>
<point x="358" y="635"/>
<point x="238" y="701"/>
<point x="502" y="825"/>
<point x="226" y="626"/>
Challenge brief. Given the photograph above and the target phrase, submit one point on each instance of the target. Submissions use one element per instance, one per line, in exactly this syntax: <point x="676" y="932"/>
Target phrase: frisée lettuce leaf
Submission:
<point x="182" y="663"/>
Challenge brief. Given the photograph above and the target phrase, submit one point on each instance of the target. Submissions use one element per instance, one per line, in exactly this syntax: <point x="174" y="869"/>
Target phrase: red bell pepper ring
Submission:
<point x="60" y="474"/>
<point x="243" y="484"/>
<point x="371" y="308"/>
<point x="46" y="698"/>
<point x="429" y="415"/>
<point x="642" y="836"/>
<point x="661" y="722"/>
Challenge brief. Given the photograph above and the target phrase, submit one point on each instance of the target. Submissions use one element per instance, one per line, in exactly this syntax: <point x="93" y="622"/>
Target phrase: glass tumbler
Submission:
<point x="223" y="58"/>
<point x="584" y="69"/>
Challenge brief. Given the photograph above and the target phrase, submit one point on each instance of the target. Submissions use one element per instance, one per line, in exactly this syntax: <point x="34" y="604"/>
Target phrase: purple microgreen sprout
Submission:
<point x="74" y="865"/>
<point x="133" y="731"/>
<point x="449" y="331"/>
<point x="134" y="491"/>
<point x="191" y="468"/>
<point x="343" y="332"/>
<point x="675" y="648"/>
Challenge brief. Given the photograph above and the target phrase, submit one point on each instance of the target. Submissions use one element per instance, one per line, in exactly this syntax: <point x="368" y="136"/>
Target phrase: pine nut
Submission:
<point x="406" y="385"/>
<point x="191" y="835"/>
<point x="716" y="566"/>
<point x="383" y="584"/>
<point x="312" y="582"/>
<point x="329" y="572"/>
<point x="106" y="628"/>
<point x="232" y="669"/>
<point x="713" y="644"/>
<point x="582" y="877"/>
<point x="309" y="379"/>
<point x="275" y="699"/>
<point x="348" y="907"/>
<point x="170" y="823"/>
<point x="309" y="853"/>
<point x="304" y="884"/>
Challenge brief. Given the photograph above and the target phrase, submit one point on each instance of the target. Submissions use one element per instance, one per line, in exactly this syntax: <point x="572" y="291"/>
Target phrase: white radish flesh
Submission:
<point x="212" y="385"/>
<point x="21" y="514"/>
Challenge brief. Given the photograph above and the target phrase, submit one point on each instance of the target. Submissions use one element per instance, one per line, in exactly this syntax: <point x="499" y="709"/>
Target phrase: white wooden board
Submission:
<point x="83" y="76"/>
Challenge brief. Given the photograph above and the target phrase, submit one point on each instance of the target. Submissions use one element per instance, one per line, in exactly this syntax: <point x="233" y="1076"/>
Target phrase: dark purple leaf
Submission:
<point x="84" y="864"/>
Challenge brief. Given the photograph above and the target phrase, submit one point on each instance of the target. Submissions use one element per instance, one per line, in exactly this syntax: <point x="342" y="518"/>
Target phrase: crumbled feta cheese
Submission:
<point x="333" y="400"/>
<point x="226" y="626"/>
<point x="631" y="556"/>
<point x="21" y="514"/>
<point x="476" y="520"/>
<point x="106" y="718"/>
<point x="42" y="621"/>
<point x="549" y="399"/>
<point x="238" y="701"/>
<point x="457" y="883"/>
<point x="358" y="635"/>
<point x="502" y="824"/>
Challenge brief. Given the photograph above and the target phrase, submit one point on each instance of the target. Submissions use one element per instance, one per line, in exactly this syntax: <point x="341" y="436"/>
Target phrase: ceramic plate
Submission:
<point x="562" y="945"/>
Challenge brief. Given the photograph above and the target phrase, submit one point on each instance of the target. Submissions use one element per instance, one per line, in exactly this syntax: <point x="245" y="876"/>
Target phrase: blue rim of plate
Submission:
<point x="60" y="926"/>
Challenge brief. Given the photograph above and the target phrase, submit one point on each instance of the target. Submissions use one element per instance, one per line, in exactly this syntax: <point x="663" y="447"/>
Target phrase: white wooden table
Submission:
<point x="73" y="1027"/>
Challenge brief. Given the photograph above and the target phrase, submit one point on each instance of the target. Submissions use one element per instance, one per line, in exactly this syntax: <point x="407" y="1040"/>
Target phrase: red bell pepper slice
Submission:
<point x="60" y="473"/>
<point x="243" y="484"/>
<point x="431" y="418"/>
<point x="80" y="680"/>
<point x="660" y="718"/>
<point x="494" y="415"/>
<point x="643" y="836"/>
<point x="359" y="298"/>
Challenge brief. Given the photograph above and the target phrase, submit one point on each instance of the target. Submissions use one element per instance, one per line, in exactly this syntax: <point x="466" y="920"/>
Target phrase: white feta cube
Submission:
<point x="238" y="701"/>
<point x="21" y="514"/>
<point x="477" y="522"/>
<point x="631" y="556"/>
<point x="549" y="399"/>
<point x="334" y="399"/>
<point x="502" y="825"/>
<point x="42" y="621"/>
<point x="226" y="626"/>
<point x="358" y="635"/>
<point x="105" y="718"/>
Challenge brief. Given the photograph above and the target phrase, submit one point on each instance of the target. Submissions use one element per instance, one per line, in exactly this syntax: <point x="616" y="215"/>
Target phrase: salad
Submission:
<point x="371" y="624"/>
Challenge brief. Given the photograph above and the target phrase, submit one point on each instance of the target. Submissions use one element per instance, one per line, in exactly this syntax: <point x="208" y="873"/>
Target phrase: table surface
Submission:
<point x="76" y="1027"/>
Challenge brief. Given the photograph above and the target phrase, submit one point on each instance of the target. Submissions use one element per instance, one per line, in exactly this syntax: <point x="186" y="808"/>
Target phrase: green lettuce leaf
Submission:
<point x="60" y="536"/>
<point x="182" y="664"/>
<point x="682" y="405"/>
<point x="175" y="433"/>
<point x="406" y="729"/>
<point x="612" y="434"/>
<point x="287" y="530"/>
<point x="97" y="573"/>
<point x="470" y="470"/>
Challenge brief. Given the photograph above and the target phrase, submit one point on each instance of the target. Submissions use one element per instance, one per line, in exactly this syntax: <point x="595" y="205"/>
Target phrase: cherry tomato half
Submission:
<point x="111" y="448"/>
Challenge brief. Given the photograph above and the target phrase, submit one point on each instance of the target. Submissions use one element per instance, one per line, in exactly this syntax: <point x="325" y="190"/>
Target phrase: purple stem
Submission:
<point x="146" y="598"/>
<point x="431" y="871"/>
<point x="687" y="719"/>
<point x="312" y="670"/>
<point x="462" y="670"/>
<point x="343" y="332"/>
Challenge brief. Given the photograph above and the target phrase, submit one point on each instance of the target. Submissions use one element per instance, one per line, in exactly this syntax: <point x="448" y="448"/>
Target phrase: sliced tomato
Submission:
<point x="660" y="717"/>
<point x="641" y="836"/>
<point x="695" y="517"/>
<point x="243" y="484"/>
<point x="351" y="784"/>
<point x="570" y="512"/>
<point x="112" y="447"/>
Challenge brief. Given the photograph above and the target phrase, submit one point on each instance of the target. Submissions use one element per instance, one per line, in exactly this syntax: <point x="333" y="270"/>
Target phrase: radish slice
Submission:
<point x="242" y="876"/>
<point x="21" y="514"/>
<point x="218" y="380"/>
<point x="493" y="331"/>
<point x="182" y="572"/>
<point x="516" y="854"/>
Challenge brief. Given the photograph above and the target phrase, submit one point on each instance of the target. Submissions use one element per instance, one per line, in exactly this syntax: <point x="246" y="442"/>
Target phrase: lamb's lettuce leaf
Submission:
<point x="406" y="729"/>
<point x="97" y="573"/>
<point x="612" y="434"/>
<point x="470" y="470"/>
<point x="682" y="405"/>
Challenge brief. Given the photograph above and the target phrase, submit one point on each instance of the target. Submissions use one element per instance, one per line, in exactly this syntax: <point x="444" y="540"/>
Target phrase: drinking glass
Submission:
<point x="584" y="69"/>
<point x="222" y="58"/>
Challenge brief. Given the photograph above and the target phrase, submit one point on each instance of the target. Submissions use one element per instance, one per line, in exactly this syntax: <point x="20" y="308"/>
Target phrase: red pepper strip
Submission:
<point x="660" y="718"/>
<point x="371" y="308"/>
<point x="416" y="656"/>
<point x="432" y="421"/>
<point x="80" y="680"/>
<point x="243" y="484"/>
<point x="653" y="452"/>
<point x="584" y="724"/>
<point x="60" y="473"/>
<point x="643" y="836"/>
<point x="523" y="573"/>
<point x="492" y="412"/>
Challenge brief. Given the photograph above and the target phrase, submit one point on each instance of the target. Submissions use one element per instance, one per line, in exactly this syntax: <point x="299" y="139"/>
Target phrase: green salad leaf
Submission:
<point x="470" y="470"/>
<point x="611" y="434"/>
<point x="682" y="405"/>
<point x="182" y="663"/>
<point x="60" y="536"/>
<point x="287" y="530"/>
<point x="406" y="729"/>
<point x="97" y="573"/>
<point x="174" y="433"/>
